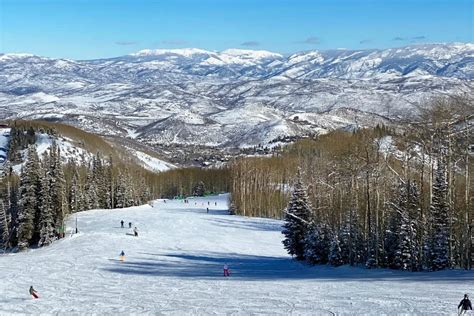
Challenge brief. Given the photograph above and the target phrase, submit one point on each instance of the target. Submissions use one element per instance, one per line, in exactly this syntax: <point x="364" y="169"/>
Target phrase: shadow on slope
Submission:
<point x="259" y="225"/>
<point x="265" y="268"/>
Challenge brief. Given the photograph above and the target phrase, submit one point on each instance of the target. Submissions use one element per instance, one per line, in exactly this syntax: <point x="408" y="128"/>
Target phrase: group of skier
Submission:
<point x="135" y="229"/>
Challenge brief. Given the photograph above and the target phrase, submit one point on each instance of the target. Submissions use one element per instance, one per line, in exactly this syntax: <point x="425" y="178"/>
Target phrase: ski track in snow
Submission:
<point x="175" y="266"/>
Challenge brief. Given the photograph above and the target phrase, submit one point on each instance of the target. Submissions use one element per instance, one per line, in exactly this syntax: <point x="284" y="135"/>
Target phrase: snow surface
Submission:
<point x="175" y="266"/>
<point x="152" y="163"/>
<point x="4" y="141"/>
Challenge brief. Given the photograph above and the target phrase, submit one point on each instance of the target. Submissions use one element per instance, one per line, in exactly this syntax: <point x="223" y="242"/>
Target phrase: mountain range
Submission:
<point x="232" y="98"/>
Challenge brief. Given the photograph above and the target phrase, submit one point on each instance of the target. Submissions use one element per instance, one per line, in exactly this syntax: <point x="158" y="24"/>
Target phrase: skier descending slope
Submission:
<point x="465" y="305"/>
<point x="33" y="292"/>
<point x="226" y="270"/>
<point x="122" y="256"/>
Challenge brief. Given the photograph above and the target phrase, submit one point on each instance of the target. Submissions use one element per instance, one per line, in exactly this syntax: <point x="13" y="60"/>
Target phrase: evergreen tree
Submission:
<point x="57" y="187"/>
<point x="199" y="189"/>
<point x="5" y="232"/>
<point x="297" y="218"/>
<point x="351" y="239"/>
<point x="401" y="240"/>
<point x="317" y="243"/>
<point x="121" y="192"/>
<point x="46" y="220"/>
<point x="439" y="216"/>
<point x="28" y="204"/>
<point x="335" y="252"/>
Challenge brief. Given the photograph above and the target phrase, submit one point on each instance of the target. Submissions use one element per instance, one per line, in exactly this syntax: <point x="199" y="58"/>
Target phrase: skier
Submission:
<point x="121" y="223"/>
<point x="215" y="203"/>
<point x="226" y="270"/>
<point x="122" y="256"/>
<point x="207" y="209"/>
<point x="135" y="231"/>
<point x="465" y="305"/>
<point x="33" y="292"/>
<point x="129" y="224"/>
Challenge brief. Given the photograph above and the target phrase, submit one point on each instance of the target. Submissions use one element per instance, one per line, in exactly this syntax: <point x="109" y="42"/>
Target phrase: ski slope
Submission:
<point x="174" y="267"/>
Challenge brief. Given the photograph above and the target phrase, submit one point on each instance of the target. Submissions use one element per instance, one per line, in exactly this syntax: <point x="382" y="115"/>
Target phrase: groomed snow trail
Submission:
<point x="174" y="267"/>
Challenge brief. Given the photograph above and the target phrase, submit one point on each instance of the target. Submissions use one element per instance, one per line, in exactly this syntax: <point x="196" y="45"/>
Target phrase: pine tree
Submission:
<point x="401" y="240"/>
<point x="351" y="240"/>
<point x="57" y="187"/>
<point x="75" y="192"/>
<point x="317" y="243"/>
<point x="335" y="252"/>
<point x="4" y="226"/>
<point x="199" y="189"/>
<point x="439" y="216"/>
<point x="46" y="221"/>
<point x="297" y="218"/>
<point x="28" y="204"/>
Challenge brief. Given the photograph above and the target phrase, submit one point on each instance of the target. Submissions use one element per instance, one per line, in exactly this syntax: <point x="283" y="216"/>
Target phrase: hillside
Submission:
<point x="233" y="98"/>
<point x="78" y="145"/>
<point x="174" y="267"/>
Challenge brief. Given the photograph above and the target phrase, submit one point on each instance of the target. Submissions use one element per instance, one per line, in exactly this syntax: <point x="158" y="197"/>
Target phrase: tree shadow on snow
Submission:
<point x="265" y="268"/>
<point x="249" y="224"/>
<point x="202" y="210"/>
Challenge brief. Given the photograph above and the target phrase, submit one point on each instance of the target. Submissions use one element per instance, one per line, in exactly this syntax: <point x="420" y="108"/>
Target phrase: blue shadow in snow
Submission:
<point x="251" y="268"/>
<point x="247" y="224"/>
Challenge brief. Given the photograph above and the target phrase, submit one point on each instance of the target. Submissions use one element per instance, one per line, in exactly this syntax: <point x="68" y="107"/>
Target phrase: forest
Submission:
<point x="398" y="196"/>
<point x="35" y="201"/>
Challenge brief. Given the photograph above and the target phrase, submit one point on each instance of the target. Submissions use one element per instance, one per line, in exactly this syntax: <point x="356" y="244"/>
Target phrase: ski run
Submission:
<point x="175" y="267"/>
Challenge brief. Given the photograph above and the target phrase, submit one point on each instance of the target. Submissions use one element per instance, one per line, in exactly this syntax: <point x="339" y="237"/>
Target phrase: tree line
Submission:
<point x="397" y="197"/>
<point x="35" y="201"/>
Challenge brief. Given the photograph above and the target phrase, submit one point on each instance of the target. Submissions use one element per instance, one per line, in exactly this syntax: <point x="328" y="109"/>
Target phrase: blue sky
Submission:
<point x="86" y="29"/>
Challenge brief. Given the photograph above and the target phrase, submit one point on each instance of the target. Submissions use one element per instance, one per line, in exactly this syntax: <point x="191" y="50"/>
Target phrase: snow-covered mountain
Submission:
<point x="234" y="97"/>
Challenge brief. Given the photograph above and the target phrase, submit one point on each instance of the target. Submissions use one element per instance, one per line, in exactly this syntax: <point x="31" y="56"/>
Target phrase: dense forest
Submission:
<point x="384" y="197"/>
<point x="35" y="201"/>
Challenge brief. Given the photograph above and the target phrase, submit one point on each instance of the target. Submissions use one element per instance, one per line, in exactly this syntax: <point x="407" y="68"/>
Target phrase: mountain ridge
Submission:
<point x="199" y="97"/>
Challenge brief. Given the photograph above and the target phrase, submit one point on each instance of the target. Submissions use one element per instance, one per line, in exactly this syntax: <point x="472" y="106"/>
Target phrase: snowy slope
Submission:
<point x="153" y="164"/>
<point x="175" y="265"/>
<point x="4" y="141"/>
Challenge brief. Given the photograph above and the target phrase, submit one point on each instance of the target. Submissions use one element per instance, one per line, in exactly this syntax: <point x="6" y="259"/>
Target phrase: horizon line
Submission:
<point x="241" y="49"/>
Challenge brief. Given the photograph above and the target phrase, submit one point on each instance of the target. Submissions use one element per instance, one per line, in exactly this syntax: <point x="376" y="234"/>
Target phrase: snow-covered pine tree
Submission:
<point x="5" y="232"/>
<point x="120" y="192"/>
<point x="439" y="216"/>
<point x="351" y="240"/>
<point x="199" y="189"/>
<point x="298" y="214"/>
<point x="335" y="252"/>
<point x="29" y="193"/>
<point x="98" y="173"/>
<point x="109" y="183"/>
<point x="74" y="192"/>
<point x="317" y="243"/>
<point x="90" y="190"/>
<point x="401" y="240"/>
<point x="46" y="220"/>
<point x="57" y="187"/>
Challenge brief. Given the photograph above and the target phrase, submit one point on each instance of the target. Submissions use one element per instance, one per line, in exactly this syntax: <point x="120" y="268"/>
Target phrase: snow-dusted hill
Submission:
<point x="174" y="267"/>
<point x="234" y="97"/>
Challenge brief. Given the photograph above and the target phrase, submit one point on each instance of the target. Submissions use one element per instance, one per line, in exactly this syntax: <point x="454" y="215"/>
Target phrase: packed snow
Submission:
<point x="175" y="267"/>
